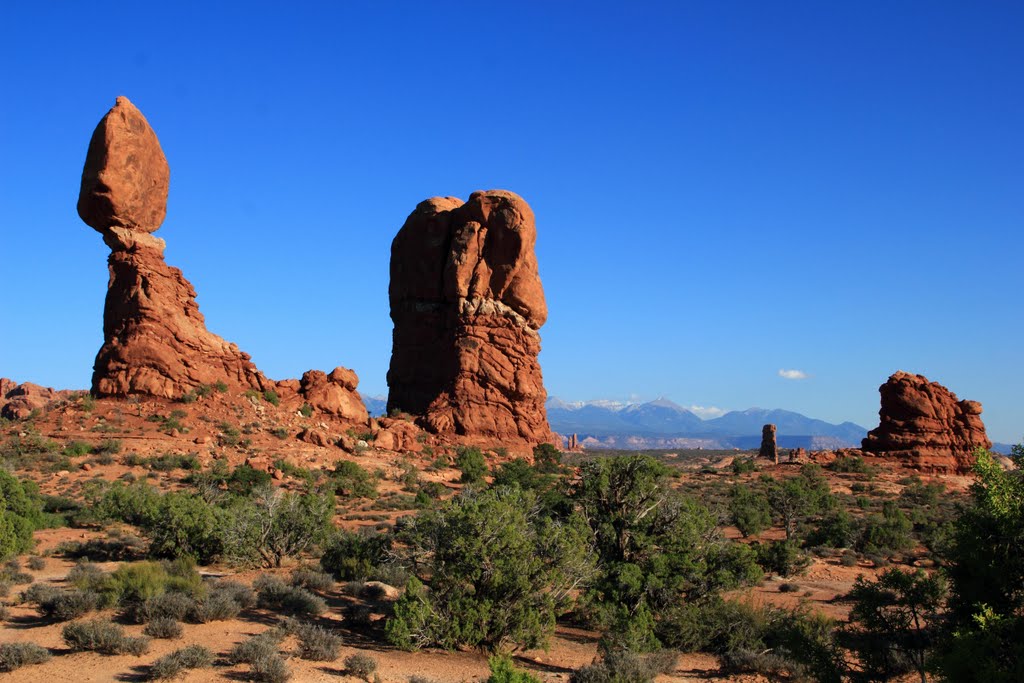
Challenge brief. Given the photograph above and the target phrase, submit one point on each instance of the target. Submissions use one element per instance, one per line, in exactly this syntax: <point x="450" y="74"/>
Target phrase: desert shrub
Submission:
<point x="797" y="499"/>
<point x="16" y="655"/>
<point x="269" y="669"/>
<point x="797" y="643"/>
<point x="470" y="461"/>
<point x="622" y="666"/>
<point x="312" y="579"/>
<point x="174" y="461"/>
<point x="352" y="556"/>
<point x="103" y="637"/>
<point x="782" y="557"/>
<point x="21" y="513"/>
<point x="317" y="644"/>
<point x="259" y="646"/>
<point x="503" y="671"/>
<point x="836" y="530"/>
<point x="306" y="410"/>
<point x="174" y="605"/>
<point x="886" y="533"/>
<point x="655" y="547"/>
<point x="107" y="447"/>
<point x="241" y="594"/>
<point x="175" y="664"/>
<point x="851" y="464"/>
<point x="497" y="575"/>
<point x="351" y="480"/>
<point x="138" y="582"/>
<point x="35" y="563"/>
<point x="360" y="665"/>
<point x="744" y="465"/>
<point x="75" y="449"/>
<point x="274" y="594"/>
<point x="224" y="600"/>
<point x="985" y="568"/>
<point x="271" y="397"/>
<point x="68" y="605"/>
<point x="163" y="627"/>
<point x="270" y="525"/>
<point x="749" y="510"/>
<point x="895" y="620"/>
<point x="547" y="459"/>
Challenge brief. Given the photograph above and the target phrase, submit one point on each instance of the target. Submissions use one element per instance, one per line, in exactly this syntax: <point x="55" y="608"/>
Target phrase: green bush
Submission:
<point x="350" y="480"/>
<point x="750" y="510"/>
<point x="259" y="646"/>
<point x="16" y="655"/>
<point x="350" y="556"/>
<point x="503" y="671"/>
<point x="744" y="466"/>
<point x="21" y="513"/>
<point x="782" y="557"/>
<point x="470" y="461"/>
<point x="655" y="546"/>
<point x="497" y="576"/>
<point x="888" y="532"/>
<point x="851" y="464"/>
<point x="269" y="669"/>
<point x="895" y="619"/>
<point x="547" y="459"/>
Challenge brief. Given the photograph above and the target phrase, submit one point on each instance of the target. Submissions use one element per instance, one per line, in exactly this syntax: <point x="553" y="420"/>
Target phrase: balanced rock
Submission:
<point x="467" y="304"/>
<point x="155" y="339"/>
<point x="925" y="425"/>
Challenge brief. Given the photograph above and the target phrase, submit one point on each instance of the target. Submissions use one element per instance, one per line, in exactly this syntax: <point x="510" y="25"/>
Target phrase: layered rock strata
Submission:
<point x="926" y="426"/>
<point x="467" y="304"/>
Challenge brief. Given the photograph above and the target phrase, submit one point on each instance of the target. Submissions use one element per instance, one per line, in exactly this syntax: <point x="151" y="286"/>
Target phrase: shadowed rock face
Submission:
<point x="467" y="302"/>
<point x="155" y="340"/>
<point x="925" y="424"/>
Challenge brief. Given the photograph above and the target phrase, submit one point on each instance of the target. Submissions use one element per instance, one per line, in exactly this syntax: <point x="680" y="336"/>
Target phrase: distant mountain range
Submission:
<point x="664" y="424"/>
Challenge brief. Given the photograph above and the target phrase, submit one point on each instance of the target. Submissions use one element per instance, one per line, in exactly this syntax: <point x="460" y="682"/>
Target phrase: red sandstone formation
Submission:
<point x="18" y="401"/>
<point x="467" y="302"/>
<point x="924" y="424"/>
<point x="155" y="339"/>
<point x="769" y="448"/>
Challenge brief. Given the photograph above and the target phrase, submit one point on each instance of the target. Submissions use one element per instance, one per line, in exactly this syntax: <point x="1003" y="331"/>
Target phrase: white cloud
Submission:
<point x="706" y="412"/>
<point x="793" y="374"/>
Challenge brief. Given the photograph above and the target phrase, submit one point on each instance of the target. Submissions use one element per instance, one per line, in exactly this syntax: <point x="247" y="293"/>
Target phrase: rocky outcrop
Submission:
<point x="334" y="394"/>
<point x="769" y="448"/>
<point x="926" y="426"/>
<point x="155" y="339"/>
<point x="467" y="304"/>
<point x="18" y="401"/>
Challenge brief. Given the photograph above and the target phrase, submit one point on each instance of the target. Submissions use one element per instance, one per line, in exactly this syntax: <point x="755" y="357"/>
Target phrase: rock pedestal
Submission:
<point x="926" y="426"/>
<point x="155" y="339"/>
<point x="467" y="304"/>
<point x="769" y="448"/>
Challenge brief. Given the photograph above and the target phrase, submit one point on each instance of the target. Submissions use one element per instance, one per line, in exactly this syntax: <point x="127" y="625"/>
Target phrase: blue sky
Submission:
<point x="722" y="190"/>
